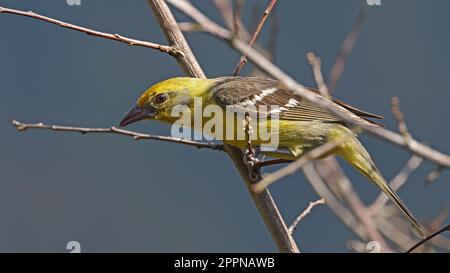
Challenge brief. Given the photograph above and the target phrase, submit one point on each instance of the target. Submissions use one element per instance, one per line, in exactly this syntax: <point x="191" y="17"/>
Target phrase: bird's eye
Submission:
<point x="160" y="98"/>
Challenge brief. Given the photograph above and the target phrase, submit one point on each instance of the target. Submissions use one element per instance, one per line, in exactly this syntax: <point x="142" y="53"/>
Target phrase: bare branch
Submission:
<point x="433" y="175"/>
<point x="346" y="48"/>
<point x="423" y="241"/>
<point x="302" y="215"/>
<point x="243" y="59"/>
<point x="113" y="130"/>
<point x="116" y="37"/>
<point x="237" y="22"/>
<point x="316" y="65"/>
<point x="395" y="109"/>
<point x="190" y="27"/>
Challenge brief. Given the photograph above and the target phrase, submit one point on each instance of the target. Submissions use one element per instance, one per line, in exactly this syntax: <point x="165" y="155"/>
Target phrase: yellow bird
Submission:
<point x="301" y="125"/>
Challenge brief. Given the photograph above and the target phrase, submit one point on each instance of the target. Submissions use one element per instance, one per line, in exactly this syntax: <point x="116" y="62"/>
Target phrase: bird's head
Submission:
<point x="158" y="101"/>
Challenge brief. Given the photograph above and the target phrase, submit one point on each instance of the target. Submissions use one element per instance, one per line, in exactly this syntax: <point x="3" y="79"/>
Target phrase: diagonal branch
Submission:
<point x="302" y="215"/>
<point x="423" y="241"/>
<point x="243" y="59"/>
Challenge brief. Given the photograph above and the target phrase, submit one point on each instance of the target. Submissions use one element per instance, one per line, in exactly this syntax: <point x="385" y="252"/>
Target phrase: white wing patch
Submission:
<point x="292" y="103"/>
<point x="278" y="110"/>
<point x="267" y="92"/>
<point x="256" y="98"/>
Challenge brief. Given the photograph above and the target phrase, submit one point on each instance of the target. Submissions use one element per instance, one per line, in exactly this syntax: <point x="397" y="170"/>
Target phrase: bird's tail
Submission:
<point x="355" y="154"/>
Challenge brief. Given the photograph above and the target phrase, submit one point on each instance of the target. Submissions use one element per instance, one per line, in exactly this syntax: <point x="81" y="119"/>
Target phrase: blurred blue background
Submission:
<point x="113" y="194"/>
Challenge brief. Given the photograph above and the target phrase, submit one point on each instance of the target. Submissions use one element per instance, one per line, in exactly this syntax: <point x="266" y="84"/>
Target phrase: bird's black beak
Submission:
<point x="136" y="114"/>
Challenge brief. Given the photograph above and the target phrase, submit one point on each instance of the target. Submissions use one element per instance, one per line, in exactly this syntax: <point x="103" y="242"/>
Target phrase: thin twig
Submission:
<point x="225" y="8"/>
<point x="272" y="162"/>
<point x="395" y="109"/>
<point x="297" y="164"/>
<point x="433" y="175"/>
<point x="132" y="42"/>
<point x="423" y="241"/>
<point x="190" y="27"/>
<point x="346" y="48"/>
<point x="440" y="241"/>
<point x="243" y="59"/>
<point x="302" y="215"/>
<point x="316" y="65"/>
<point x="398" y="181"/>
<point x="113" y="130"/>
<point x="237" y="16"/>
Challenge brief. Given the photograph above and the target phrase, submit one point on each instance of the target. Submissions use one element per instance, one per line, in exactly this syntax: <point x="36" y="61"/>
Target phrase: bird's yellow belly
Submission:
<point x="293" y="136"/>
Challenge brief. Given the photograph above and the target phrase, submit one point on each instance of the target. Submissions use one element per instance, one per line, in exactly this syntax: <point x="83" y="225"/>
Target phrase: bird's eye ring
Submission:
<point x="160" y="98"/>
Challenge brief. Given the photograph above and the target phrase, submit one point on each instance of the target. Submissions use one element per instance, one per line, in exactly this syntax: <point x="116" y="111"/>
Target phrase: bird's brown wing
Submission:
<point x="251" y="91"/>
